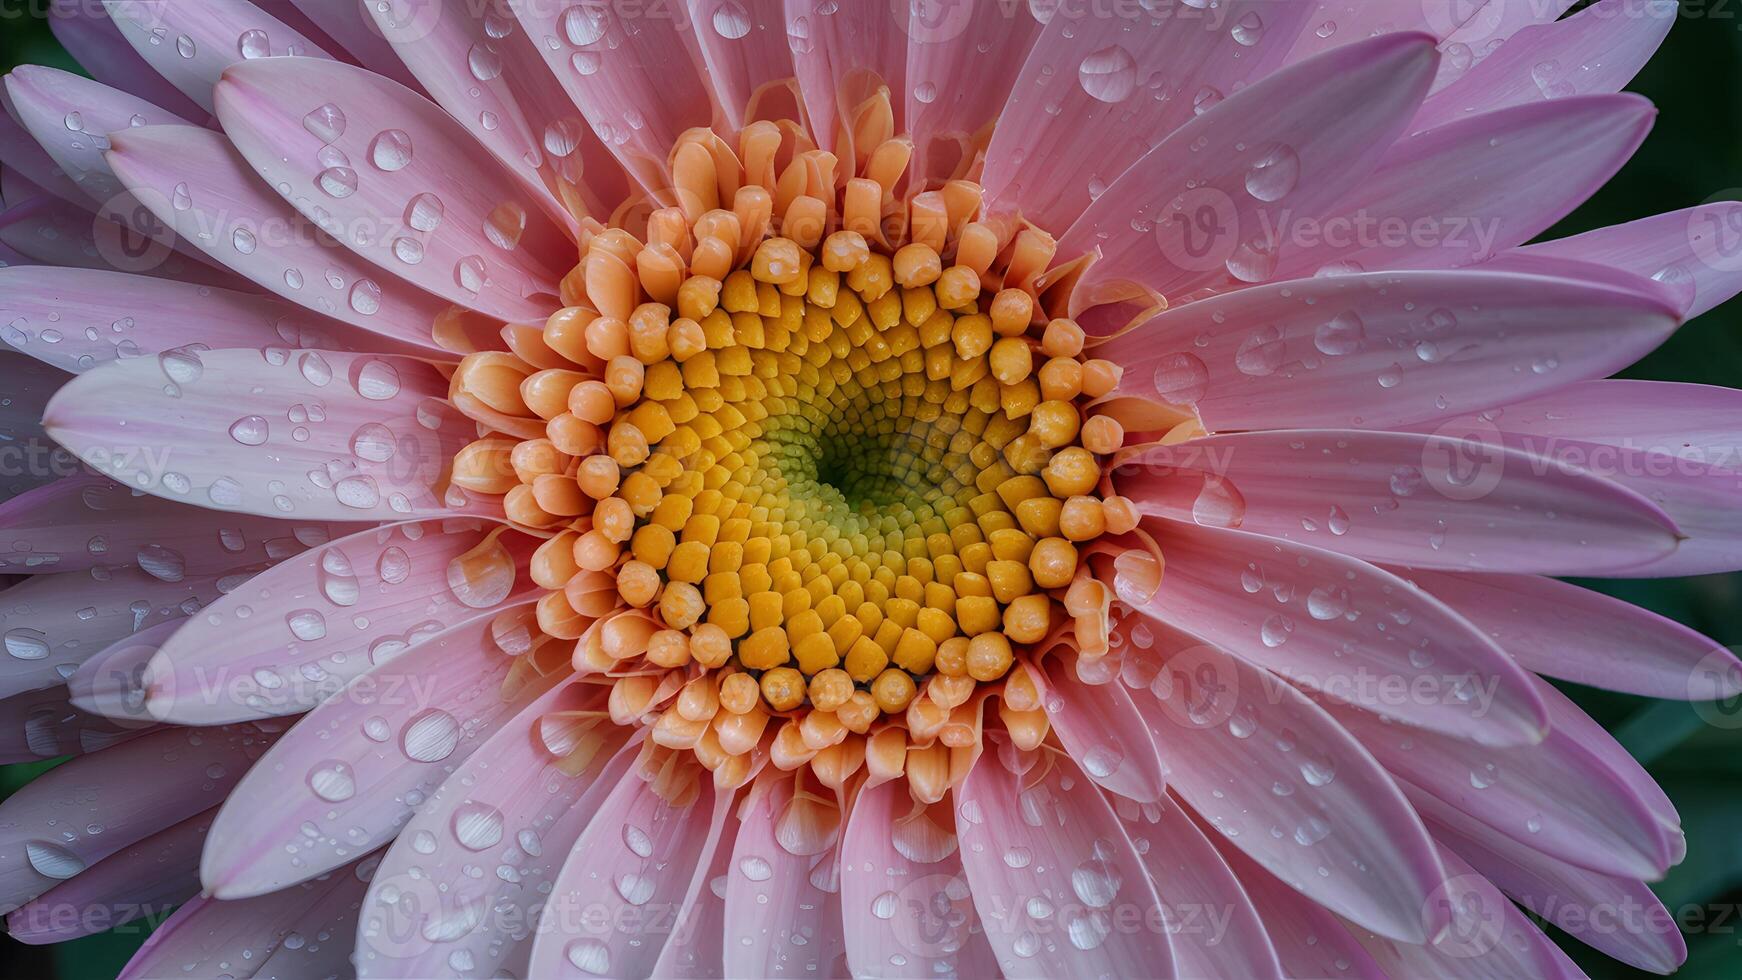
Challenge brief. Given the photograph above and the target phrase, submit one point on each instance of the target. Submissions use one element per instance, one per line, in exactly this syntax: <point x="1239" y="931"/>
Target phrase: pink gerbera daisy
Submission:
<point x="752" y="488"/>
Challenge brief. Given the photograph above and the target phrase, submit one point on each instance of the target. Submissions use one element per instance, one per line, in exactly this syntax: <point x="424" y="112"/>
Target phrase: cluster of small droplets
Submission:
<point x="821" y="478"/>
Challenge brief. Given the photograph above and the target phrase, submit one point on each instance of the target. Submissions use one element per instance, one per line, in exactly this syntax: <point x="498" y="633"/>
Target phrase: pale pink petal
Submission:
<point x="86" y="522"/>
<point x="1348" y="350"/>
<point x="695" y="951"/>
<point x="86" y="31"/>
<point x="900" y="863"/>
<point x="1337" y="22"/>
<point x="1059" y="886"/>
<point x="1102" y="730"/>
<point x="1282" y="781"/>
<point x="1216" y="931"/>
<point x="418" y="177"/>
<point x="308" y="434"/>
<point x="25" y="390"/>
<point x="1561" y="630"/>
<point x="1486" y="32"/>
<point x="142" y="880"/>
<point x="40" y="725"/>
<point x="208" y="937"/>
<point x="72" y="117"/>
<point x="1594" y="52"/>
<point x="628" y="879"/>
<point x="962" y="61"/>
<point x="302" y="629"/>
<point x="1429" y="501"/>
<point x="320" y="941"/>
<point x="1312" y="615"/>
<point x="1291" y="144"/>
<point x="357" y="766"/>
<point x="1488" y="937"/>
<point x="54" y="623"/>
<point x="191" y="42"/>
<point x="76" y="319"/>
<point x="1470" y="189"/>
<point x="1593" y="738"/>
<point x="1698" y="423"/>
<point x="1697" y="244"/>
<point x="1558" y="796"/>
<point x="1619" y="916"/>
<point x="1145" y="72"/>
<point x="1309" y="940"/>
<point x="470" y="68"/>
<point x="841" y="53"/>
<point x="80" y="812"/>
<point x="53" y="232"/>
<point x="25" y="157"/>
<point x="353" y="30"/>
<point x="112" y="682"/>
<point x="512" y="807"/>
<point x="196" y="183"/>
<point x="783" y="892"/>
<point x="636" y="76"/>
<point x="743" y="45"/>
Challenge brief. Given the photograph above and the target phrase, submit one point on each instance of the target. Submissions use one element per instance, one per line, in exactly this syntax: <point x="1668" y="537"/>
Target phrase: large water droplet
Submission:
<point x="390" y="150"/>
<point x="332" y="781"/>
<point x="326" y="123"/>
<point x="431" y="736"/>
<point x="1274" y="175"/>
<point x="1109" y="74"/>
<point x="250" y="430"/>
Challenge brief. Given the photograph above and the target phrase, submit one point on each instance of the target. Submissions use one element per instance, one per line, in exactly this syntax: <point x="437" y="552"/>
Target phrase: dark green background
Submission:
<point x="1694" y="154"/>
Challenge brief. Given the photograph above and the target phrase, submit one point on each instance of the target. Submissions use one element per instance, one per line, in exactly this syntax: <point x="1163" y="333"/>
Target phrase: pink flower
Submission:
<point x="742" y="488"/>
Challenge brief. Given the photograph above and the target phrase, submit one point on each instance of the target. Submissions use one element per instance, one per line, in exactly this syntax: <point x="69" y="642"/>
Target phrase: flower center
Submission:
<point x="823" y="477"/>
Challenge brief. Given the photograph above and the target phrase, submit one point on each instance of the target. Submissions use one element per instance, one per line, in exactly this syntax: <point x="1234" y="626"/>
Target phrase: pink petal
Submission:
<point x="512" y="806"/>
<point x="1216" y="931"/>
<point x="477" y="76"/>
<point x="1594" y="52"/>
<point x="1488" y="937"/>
<point x="1283" y="782"/>
<point x="1338" y="22"/>
<point x="629" y="878"/>
<point x="1348" y="350"/>
<point x="840" y="54"/>
<point x="483" y="247"/>
<point x="1312" y="616"/>
<point x="70" y="117"/>
<point x="80" y="812"/>
<point x="1487" y="30"/>
<point x="900" y="862"/>
<point x="1429" y="501"/>
<point x="191" y="42"/>
<point x="1697" y="244"/>
<point x="142" y="880"/>
<point x="112" y="682"/>
<point x="40" y="725"/>
<point x="76" y="319"/>
<point x="1618" y="916"/>
<point x="25" y="157"/>
<point x="1559" y="797"/>
<point x="358" y="764"/>
<point x="315" y="435"/>
<point x="1699" y="423"/>
<point x="354" y="30"/>
<point x="1058" y="884"/>
<point x="53" y="232"/>
<point x="1102" y="730"/>
<point x="35" y="459"/>
<point x="197" y="184"/>
<point x="636" y="77"/>
<point x="88" y="34"/>
<point x="743" y="46"/>
<point x="783" y="893"/>
<point x="1144" y="72"/>
<point x="54" y="623"/>
<point x="1473" y="188"/>
<point x="1309" y="940"/>
<point x="695" y="950"/>
<point x="208" y="937"/>
<point x="962" y="62"/>
<point x="1291" y="144"/>
<point x="87" y="521"/>
<point x="299" y="631"/>
<point x="1579" y="635"/>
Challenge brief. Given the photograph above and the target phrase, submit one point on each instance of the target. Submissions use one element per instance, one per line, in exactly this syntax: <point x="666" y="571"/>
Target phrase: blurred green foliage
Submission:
<point x="1694" y="154"/>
